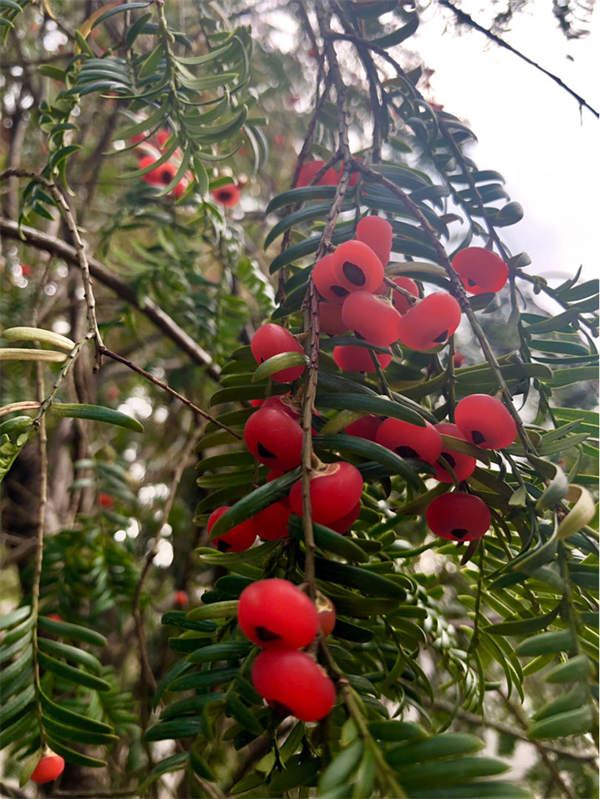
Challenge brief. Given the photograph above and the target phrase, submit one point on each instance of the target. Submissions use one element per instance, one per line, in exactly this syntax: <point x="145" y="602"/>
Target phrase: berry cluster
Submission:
<point x="281" y="619"/>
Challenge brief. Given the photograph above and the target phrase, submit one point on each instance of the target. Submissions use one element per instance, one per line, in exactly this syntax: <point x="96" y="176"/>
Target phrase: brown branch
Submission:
<point x="466" y="19"/>
<point x="57" y="247"/>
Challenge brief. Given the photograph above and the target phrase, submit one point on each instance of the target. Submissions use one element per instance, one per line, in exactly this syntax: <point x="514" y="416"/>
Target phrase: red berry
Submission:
<point x="283" y="402"/>
<point x="227" y="195"/>
<point x="48" y="768"/>
<point x="377" y="233"/>
<point x="308" y="170"/>
<point x="238" y="539"/>
<point x="162" y="137"/>
<point x="293" y="682"/>
<point x="327" y="285"/>
<point x="106" y="500"/>
<point x="430" y="322"/>
<point x="274" y="438"/>
<point x="462" y="465"/>
<point x="162" y="175"/>
<point x="401" y="303"/>
<point x="356" y="267"/>
<point x="272" y="340"/>
<point x="54" y="617"/>
<point x="358" y="359"/>
<point x="343" y="524"/>
<point x="326" y="613"/>
<point x="272" y="522"/>
<point x="276" y="614"/>
<point x="334" y="492"/>
<point x="485" y="421"/>
<point x="373" y="318"/>
<point x="458" y="359"/>
<point x="330" y="319"/>
<point x="365" y="427"/>
<point x="337" y="176"/>
<point x="25" y="270"/>
<point x="480" y="270"/>
<point x="256" y="403"/>
<point x="458" y="516"/>
<point x="409" y="440"/>
<point x="181" y="599"/>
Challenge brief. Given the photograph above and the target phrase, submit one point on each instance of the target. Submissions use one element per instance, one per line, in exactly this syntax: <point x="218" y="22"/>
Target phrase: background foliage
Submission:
<point x="126" y="381"/>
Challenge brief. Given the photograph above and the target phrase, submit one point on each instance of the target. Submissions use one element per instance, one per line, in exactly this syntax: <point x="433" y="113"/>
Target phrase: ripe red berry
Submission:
<point x="274" y="438"/>
<point x="330" y="319"/>
<point x="291" y="681"/>
<point x="238" y="539"/>
<point x="401" y="303"/>
<point x="48" y="768"/>
<point x="334" y="492"/>
<point x="409" y="440"/>
<point x="458" y="516"/>
<point x="162" y="137"/>
<point x="276" y="614"/>
<point x="181" y="599"/>
<point x="458" y="359"/>
<point x="161" y="176"/>
<point x="25" y="270"/>
<point x="106" y="500"/>
<point x="325" y="281"/>
<point x="485" y="421"/>
<point x="365" y="427"/>
<point x="283" y="403"/>
<point x="308" y="170"/>
<point x="326" y="613"/>
<point x="377" y="233"/>
<point x="272" y="522"/>
<point x="480" y="270"/>
<point x="430" y="322"/>
<point x="343" y="524"/>
<point x="272" y="340"/>
<point x="358" y="359"/>
<point x="54" y="617"/>
<point x="356" y="267"/>
<point x="227" y="195"/>
<point x="462" y="465"/>
<point x="373" y="318"/>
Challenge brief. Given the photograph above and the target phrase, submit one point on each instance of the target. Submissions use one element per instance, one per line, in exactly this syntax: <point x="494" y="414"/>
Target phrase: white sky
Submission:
<point x="528" y="128"/>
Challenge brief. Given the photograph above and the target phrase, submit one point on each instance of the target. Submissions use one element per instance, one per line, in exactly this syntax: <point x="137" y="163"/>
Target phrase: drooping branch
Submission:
<point x="466" y="19"/>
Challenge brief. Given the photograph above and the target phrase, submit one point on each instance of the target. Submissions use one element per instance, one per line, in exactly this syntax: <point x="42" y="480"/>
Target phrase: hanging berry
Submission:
<point x="309" y="169"/>
<point x="365" y="427"/>
<point x="276" y="614"/>
<point x="358" y="359"/>
<point x="458" y="516"/>
<point x="330" y="319"/>
<point x="409" y="440"/>
<point x="270" y="340"/>
<point x="229" y="195"/>
<point x="344" y="524"/>
<point x="272" y="522"/>
<point x="430" y="322"/>
<point x="293" y="683"/>
<point x="377" y="234"/>
<point x="373" y="318"/>
<point x="327" y="284"/>
<point x="485" y="421"/>
<point x="462" y="465"/>
<point x="181" y="599"/>
<point x="480" y="270"/>
<point x="49" y="767"/>
<point x="334" y="492"/>
<point x="238" y="539"/>
<point x="401" y="303"/>
<point x="356" y="267"/>
<point x="274" y="438"/>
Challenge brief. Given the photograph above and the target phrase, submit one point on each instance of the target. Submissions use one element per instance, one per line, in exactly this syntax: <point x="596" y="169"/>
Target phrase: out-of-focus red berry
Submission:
<point x="181" y="599"/>
<point x="458" y="516"/>
<point x="48" y="768"/>
<point x="227" y="195"/>
<point x="106" y="500"/>
<point x="291" y="681"/>
<point x="162" y="137"/>
<point x="238" y="539"/>
<point x="271" y="339"/>
<point x="377" y="233"/>
<point x="276" y="614"/>
<point x="485" y="421"/>
<point x="458" y="359"/>
<point x="430" y="322"/>
<point x="334" y="492"/>
<point x="409" y="440"/>
<point x="274" y="438"/>
<point x="54" y="617"/>
<point x="307" y="173"/>
<point x="358" y="359"/>
<point x="402" y="303"/>
<point x="25" y="270"/>
<point x="480" y="270"/>
<point x="462" y="465"/>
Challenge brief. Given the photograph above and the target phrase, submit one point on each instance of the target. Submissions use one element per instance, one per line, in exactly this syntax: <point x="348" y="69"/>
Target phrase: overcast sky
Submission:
<point x="528" y="128"/>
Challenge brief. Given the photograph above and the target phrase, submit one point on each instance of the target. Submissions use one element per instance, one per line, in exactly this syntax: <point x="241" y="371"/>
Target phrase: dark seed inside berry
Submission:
<point x="264" y="452"/>
<point x="354" y="273"/>
<point x="459" y="532"/>
<point x="442" y="337"/>
<point x="264" y="634"/>
<point x="165" y="176"/>
<point x="339" y="291"/>
<point x="477" y="437"/>
<point x="223" y="546"/>
<point x="471" y="282"/>
<point x="225" y="195"/>
<point x="449" y="458"/>
<point x="406" y="452"/>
